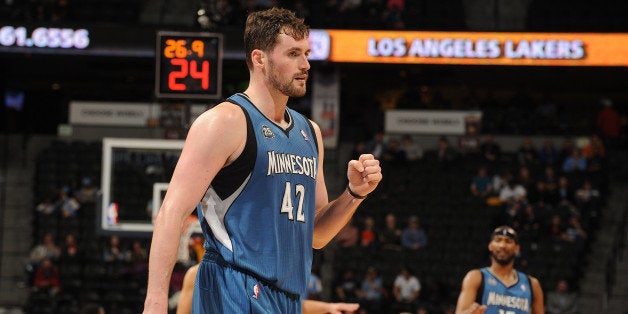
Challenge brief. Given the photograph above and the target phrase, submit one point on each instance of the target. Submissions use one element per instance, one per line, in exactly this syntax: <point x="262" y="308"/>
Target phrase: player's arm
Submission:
<point x="537" y="294"/>
<point x="320" y="307"/>
<point x="212" y="142"/>
<point x="184" y="305"/>
<point x="468" y="293"/>
<point x="364" y="175"/>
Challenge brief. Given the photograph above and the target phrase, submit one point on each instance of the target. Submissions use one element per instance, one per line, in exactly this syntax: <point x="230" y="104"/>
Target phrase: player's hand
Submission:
<point x="339" y="308"/>
<point x="474" y="309"/>
<point x="364" y="174"/>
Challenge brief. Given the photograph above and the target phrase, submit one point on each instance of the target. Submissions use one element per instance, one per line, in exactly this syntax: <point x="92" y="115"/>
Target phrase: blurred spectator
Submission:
<point x="511" y="191"/>
<point x="490" y="153"/>
<point x="377" y="145"/>
<point x="346" y="287"/>
<point x="406" y="290"/>
<point x="565" y="191"/>
<point x="561" y="300"/>
<point x="371" y="292"/>
<point x="527" y="154"/>
<point x="69" y="204"/>
<point x="92" y="309"/>
<point x="608" y="121"/>
<point x="86" y="194"/>
<point x="413" y="236"/>
<point x="526" y="180"/>
<point x="47" y="206"/>
<point x="547" y="186"/>
<point x="390" y="235"/>
<point x="575" y="163"/>
<point x="481" y="185"/>
<point x="413" y="150"/>
<point x="394" y="153"/>
<point x="445" y="153"/>
<point x="113" y="251"/>
<point x="566" y="150"/>
<point x="314" y="285"/>
<point x="47" y="278"/>
<point x="368" y="234"/>
<point x="137" y="259"/>
<point x="548" y="156"/>
<point x="70" y="250"/>
<point x="594" y="146"/>
<point x="47" y="248"/>
<point x="348" y="236"/>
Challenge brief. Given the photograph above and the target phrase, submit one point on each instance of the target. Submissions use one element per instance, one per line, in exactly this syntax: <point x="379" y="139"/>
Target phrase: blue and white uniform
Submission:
<point x="258" y="218"/>
<point x="500" y="299"/>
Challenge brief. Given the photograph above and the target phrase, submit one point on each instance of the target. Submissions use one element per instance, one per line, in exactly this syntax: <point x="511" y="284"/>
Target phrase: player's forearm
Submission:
<point x="163" y="254"/>
<point x="332" y="217"/>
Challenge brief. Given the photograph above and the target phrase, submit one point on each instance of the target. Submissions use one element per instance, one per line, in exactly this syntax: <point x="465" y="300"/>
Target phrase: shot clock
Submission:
<point x="188" y="65"/>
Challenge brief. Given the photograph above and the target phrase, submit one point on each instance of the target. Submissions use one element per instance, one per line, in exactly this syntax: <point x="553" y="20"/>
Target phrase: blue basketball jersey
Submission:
<point x="264" y="223"/>
<point x="499" y="299"/>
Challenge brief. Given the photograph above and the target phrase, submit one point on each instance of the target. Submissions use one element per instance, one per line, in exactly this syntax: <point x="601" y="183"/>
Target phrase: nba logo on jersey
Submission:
<point x="268" y="133"/>
<point x="523" y="288"/>
<point x="305" y="135"/>
<point x="256" y="291"/>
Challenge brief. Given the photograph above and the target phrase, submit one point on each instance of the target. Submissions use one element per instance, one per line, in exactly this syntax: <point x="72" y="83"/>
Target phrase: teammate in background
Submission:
<point x="499" y="288"/>
<point x="256" y="167"/>
<point x="184" y="306"/>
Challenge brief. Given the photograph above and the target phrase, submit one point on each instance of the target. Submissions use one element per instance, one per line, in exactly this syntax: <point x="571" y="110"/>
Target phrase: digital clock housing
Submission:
<point x="188" y="65"/>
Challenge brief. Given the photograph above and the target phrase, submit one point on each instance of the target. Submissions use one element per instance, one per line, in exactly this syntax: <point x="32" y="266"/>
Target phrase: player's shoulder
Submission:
<point x="473" y="277"/>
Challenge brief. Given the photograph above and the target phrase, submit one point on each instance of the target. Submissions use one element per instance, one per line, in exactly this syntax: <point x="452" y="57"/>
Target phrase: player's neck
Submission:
<point x="272" y="105"/>
<point x="505" y="273"/>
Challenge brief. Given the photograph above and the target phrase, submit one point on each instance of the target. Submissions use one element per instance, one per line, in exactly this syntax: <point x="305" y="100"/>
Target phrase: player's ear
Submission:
<point x="258" y="57"/>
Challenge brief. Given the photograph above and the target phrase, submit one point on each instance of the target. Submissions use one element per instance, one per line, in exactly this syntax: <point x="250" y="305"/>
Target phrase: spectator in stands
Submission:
<point x="575" y="163"/>
<point x="377" y="145"/>
<point x="548" y="156"/>
<point x="394" y="153"/>
<point x="371" y="292"/>
<point x="70" y="251"/>
<point x="69" y="204"/>
<point x="445" y="153"/>
<point x="511" y="191"/>
<point x="47" y="278"/>
<point x="413" y="150"/>
<point x="527" y="154"/>
<point x="481" y="184"/>
<point x="526" y="180"/>
<point x="86" y="194"/>
<point x="348" y="236"/>
<point x="390" y="235"/>
<point x="587" y="200"/>
<point x="346" y="287"/>
<point x="368" y="234"/>
<point x="114" y="253"/>
<point x="547" y="186"/>
<point x="608" y="122"/>
<point x="406" y="290"/>
<point x="561" y="300"/>
<point x="565" y="191"/>
<point x="47" y="248"/>
<point x="594" y="146"/>
<point x="413" y="236"/>
<point x="314" y="285"/>
<point x="566" y="150"/>
<point x="137" y="259"/>
<point x="490" y="151"/>
<point x="47" y="206"/>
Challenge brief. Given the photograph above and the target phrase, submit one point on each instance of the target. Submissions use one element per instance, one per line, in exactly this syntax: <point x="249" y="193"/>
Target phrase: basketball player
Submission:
<point x="499" y="288"/>
<point x="184" y="305"/>
<point x="255" y="169"/>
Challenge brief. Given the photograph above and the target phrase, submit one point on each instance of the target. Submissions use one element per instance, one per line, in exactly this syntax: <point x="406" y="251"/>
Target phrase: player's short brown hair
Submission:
<point x="263" y="27"/>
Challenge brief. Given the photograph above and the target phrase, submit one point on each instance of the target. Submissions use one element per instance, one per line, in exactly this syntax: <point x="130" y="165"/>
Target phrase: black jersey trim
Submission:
<point x="480" y="292"/>
<point x="231" y="177"/>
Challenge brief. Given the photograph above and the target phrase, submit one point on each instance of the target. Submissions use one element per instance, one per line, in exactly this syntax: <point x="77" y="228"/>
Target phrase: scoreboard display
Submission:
<point x="188" y="65"/>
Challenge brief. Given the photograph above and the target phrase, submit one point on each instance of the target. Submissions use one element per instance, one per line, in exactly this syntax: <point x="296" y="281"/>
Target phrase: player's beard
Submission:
<point x="503" y="261"/>
<point x="285" y="86"/>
